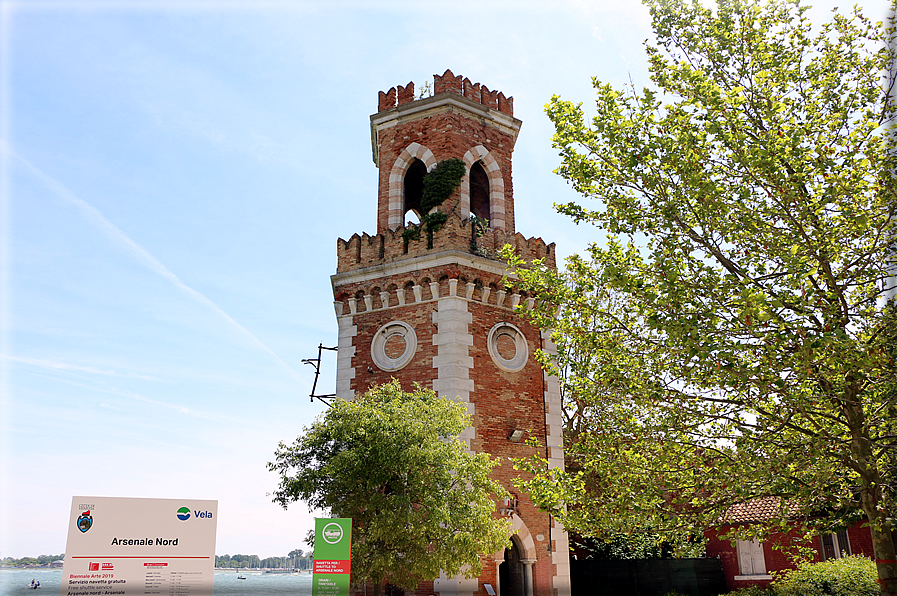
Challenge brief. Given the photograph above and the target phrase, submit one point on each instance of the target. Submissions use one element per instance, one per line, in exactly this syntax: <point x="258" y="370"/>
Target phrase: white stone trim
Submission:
<point x="406" y="266"/>
<point x="554" y="420"/>
<point x="554" y="423"/>
<point x="396" y="193"/>
<point x="524" y="539"/>
<point x="378" y="346"/>
<point x="443" y="102"/>
<point x="440" y="104"/>
<point x="560" y="557"/>
<point x="453" y="361"/>
<point x="521" y="350"/>
<point x="345" y="372"/>
<point x="496" y="185"/>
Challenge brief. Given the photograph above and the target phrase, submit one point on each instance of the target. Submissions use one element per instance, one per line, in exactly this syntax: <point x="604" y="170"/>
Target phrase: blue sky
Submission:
<point x="174" y="179"/>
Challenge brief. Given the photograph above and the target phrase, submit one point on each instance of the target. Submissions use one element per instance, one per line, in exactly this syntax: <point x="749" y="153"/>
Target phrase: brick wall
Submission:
<point x="777" y="559"/>
<point x="502" y="401"/>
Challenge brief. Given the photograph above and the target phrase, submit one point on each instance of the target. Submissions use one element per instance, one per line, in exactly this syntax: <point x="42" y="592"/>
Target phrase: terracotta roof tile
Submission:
<point x="758" y="510"/>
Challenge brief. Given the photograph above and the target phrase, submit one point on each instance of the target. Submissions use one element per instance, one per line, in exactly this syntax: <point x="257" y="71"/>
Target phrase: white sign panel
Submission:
<point x="140" y="547"/>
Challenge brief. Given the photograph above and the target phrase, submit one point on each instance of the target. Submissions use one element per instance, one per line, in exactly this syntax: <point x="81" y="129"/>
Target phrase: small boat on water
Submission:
<point x="241" y="576"/>
<point x="34" y="585"/>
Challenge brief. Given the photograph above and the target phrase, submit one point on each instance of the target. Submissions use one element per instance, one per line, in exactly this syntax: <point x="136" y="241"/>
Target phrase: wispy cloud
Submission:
<point x="53" y="364"/>
<point x="99" y="221"/>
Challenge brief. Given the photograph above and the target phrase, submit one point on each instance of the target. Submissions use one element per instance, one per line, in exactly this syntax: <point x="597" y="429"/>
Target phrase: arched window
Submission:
<point x="414" y="188"/>
<point x="479" y="191"/>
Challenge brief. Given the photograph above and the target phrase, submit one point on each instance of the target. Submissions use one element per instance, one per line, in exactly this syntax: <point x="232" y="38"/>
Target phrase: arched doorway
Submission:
<point x="511" y="576"/>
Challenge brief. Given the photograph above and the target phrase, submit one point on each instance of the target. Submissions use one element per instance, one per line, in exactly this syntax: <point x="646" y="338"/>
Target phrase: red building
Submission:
<point x="437" y="311"/>
<point x="748" y="563"/>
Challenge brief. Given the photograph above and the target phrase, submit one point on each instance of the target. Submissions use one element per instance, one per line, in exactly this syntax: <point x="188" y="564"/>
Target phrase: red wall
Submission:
<point x="777" y="559"/>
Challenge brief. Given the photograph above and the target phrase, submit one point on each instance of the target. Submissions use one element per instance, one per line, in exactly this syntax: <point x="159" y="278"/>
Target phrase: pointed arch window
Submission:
<point x="479" y="191"/>
<point x="414" y="188"/>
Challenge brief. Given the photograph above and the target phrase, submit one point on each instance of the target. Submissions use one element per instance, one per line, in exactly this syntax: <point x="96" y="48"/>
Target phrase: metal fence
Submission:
<point x="647" y="577"/>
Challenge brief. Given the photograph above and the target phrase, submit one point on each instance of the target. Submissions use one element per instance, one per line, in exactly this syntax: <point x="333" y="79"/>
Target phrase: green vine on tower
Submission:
<point x="438" y="185"/>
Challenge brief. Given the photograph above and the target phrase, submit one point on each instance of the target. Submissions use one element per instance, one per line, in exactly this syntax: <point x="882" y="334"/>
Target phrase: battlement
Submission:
<point x="448" y="82"/>
<point x="359" y="252"/>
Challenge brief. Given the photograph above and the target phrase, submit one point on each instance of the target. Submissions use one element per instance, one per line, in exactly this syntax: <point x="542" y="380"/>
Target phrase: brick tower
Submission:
<point x="438" y="312"/>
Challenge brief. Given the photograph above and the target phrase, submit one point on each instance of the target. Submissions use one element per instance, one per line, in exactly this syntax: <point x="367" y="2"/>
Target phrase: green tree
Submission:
<point x="421" y="504"/>
<point x="733" y="338"/>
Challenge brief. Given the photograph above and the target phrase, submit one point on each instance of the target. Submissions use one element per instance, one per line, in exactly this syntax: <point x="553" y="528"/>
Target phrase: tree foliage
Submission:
<point x="733" y="338"/>
<point x="849" y="576"/>
<point x="421" y="504"/>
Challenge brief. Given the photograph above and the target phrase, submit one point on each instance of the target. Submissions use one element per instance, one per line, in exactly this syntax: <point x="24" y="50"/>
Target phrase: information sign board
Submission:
<point x="333" y="557"/>
<point x="140" y="547"/>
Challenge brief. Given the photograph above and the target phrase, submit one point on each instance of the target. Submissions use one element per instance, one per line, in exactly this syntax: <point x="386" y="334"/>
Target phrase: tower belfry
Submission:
<point x="436" y="311"/>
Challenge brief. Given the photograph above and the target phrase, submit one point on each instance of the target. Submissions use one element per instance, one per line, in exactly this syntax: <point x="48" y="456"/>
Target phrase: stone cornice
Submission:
<point x="443" y="103"/>
<point x="442" y="259"/>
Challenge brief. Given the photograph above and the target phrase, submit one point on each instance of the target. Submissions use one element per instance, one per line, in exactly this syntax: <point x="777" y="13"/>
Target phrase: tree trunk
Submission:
<point x="885" y="563"/>
<point x="870" y="493"/>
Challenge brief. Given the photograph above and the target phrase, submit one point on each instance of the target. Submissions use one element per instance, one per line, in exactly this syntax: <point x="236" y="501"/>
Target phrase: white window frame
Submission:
<point x="840" y="545"/>
<point x="751" y="561"/>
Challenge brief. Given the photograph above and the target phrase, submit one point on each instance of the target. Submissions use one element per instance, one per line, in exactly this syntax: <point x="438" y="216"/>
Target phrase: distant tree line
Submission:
<point x="296" y="559"/>
<point x="29" y="561"/>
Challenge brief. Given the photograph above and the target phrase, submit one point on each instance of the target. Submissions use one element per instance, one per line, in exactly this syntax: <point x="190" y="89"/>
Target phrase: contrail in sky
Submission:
<point x="56" y="365"/>
<point x="99" y="220"/>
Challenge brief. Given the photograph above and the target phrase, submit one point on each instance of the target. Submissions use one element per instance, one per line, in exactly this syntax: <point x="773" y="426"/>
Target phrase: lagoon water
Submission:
<point x="14" y="582"/>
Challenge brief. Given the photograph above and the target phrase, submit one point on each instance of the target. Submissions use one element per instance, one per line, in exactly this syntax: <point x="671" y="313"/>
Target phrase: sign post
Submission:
<point x="332" y="569"/>
<point x="140" y="547"/>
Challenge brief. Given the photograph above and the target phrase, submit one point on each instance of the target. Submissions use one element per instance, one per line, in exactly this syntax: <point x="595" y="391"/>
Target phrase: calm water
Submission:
<point x="14" y="582"/>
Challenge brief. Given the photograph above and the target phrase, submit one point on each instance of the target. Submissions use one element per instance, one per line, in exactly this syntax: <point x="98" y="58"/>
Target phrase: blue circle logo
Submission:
<point x="183" y="514"/>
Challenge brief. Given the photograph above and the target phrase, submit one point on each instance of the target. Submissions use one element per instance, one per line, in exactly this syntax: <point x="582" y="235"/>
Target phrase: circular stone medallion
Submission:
<point x="393" y="346"/>
<point x="507" y="346"/>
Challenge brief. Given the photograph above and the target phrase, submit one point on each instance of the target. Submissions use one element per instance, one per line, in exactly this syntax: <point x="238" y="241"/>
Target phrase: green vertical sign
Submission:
<point x="333" y="557"/>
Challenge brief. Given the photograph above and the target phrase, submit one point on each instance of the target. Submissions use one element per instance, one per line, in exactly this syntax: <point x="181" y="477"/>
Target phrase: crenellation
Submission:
<point x="505" y="104"/>
<point x="448" y="82"/>
<point x="406" y="93"/>
<point x="472" y="91"/>
<point x="489" y="98"/>
<point x="386" y="100"/>
<point x="361" y="251"/>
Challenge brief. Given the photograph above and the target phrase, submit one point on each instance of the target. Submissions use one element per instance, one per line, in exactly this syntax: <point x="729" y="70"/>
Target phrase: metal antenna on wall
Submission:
<point x="316" y="362"/>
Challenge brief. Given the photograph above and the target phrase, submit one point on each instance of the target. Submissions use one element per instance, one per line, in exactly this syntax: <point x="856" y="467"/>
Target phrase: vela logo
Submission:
<point x="184" y="514"/>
